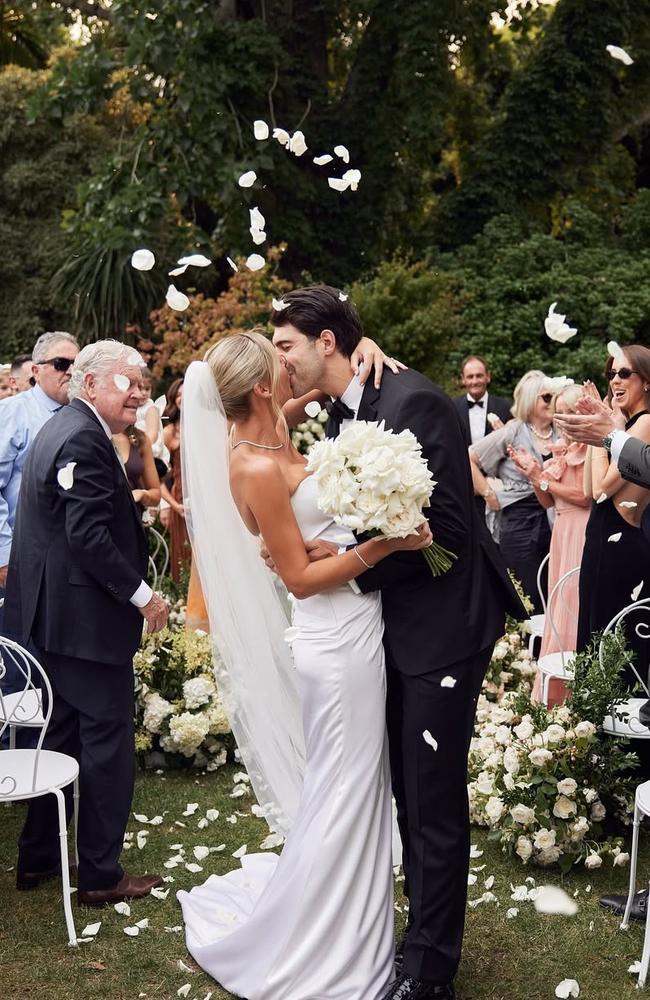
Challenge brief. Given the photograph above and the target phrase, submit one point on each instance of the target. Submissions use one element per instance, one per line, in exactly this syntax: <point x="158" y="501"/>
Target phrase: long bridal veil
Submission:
<point x="252" y="661"/>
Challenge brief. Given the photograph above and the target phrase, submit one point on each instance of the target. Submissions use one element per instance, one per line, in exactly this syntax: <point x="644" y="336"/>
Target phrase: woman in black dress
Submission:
<point x="616" y="558"/>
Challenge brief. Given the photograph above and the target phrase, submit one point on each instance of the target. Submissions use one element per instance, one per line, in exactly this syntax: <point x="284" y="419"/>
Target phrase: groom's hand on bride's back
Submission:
<point x="316" y="550"/>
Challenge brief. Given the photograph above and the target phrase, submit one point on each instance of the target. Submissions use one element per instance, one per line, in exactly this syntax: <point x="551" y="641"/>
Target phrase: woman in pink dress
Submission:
<point x="559" y="484"/>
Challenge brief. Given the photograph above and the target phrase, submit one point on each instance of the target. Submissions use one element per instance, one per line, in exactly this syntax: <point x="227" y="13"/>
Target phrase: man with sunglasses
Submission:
<point x="21" y="418"/>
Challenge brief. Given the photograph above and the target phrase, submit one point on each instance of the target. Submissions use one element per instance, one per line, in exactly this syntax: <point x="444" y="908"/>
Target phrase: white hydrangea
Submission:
<point x="198" y="691"/>
<point x="218" y="720"/>
<point x="156" y="710"/>
<point x="186" y="733"/>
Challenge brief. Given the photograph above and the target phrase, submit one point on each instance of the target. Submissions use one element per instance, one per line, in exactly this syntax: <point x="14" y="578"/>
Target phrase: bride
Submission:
<point x="316" y="922"/>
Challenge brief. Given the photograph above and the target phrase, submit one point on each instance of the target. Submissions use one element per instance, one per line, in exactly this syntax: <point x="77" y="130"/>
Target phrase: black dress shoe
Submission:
<point x="408" y="988"/>
<point x="616" y="904"/>
<point x="32" y="880"/>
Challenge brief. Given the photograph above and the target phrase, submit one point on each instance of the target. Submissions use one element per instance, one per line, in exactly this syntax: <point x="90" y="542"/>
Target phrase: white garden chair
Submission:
<point x="535" y="624"/>
<point x="624" y="719"/>
<point x="641" y="808"/>
<point x="27" y="774"/>
<point x="558" y="665"/>
<point x="161" y="546"/>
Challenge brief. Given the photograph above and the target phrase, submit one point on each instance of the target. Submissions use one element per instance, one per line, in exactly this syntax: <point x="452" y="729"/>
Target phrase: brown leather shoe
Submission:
<point x="129" y="887"/>
<point x="31" y="880"/>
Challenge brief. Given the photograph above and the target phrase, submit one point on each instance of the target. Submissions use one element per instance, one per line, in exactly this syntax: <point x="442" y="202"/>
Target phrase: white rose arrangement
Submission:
<point x="307" y="433"/>
<point x="375" y="481"/>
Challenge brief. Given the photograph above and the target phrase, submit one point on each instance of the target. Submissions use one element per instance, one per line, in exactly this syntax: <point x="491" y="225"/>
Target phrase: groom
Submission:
<point x="439" y="632"/>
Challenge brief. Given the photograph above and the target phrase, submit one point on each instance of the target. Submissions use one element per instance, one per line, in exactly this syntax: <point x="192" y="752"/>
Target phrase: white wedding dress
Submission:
<point x="316" y="923"/>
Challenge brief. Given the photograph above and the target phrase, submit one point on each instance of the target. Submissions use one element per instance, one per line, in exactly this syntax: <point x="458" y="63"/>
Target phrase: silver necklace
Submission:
<point x="542" y="437"/>
<point x="256" y="444"/>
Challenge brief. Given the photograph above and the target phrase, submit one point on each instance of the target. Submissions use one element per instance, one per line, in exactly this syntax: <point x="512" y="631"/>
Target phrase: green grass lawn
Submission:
<point x="504" y="959"/>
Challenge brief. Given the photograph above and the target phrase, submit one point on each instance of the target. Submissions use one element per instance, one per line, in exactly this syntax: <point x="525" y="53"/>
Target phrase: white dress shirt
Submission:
<point x="352" y="398"/>
<point x="618" y="440"/>
<point x="144" y="593"/>
<point x="477" y="417"/>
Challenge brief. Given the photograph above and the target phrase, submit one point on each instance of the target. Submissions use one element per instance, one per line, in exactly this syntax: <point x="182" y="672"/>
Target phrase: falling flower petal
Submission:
<point x="279" y="304"/>
<point x="121" y="382"/>
<point x="123" y="909"/>
<point x="201" y="853"/>
<point x="353" y="177"/>
<point x="232" y="263"/>
<point x="273" y="840"/>
<point x="142" y="260"/>
<point x="615" y="351"/>
<point x="291" y="633"/>
<point x="255" y="262"/>
<point x="297" y="144"/>
<point x="616" y="537"/>
<point x="552" y="899"/>
<point x="320" y="161"/>
<point x="601" y="498"/>
<point x="618" y="53"/>
<point x="637" y="590"/>
<point x="240" y="852"/>
<point x="567" y="988"/>
<point x="65" y="476"/>
<point x="247" y="179"/>
<point x="176" y="300"/>
<point x="195" y="260"/>
<point x="338" y="183"/>
<point x="428" y="738"/>
<point x="132" y="931"/>
<point x="342" y="151"/>
<point x="90" y="930"/>
<point x="193" y="867"/>
<point x="556" y="328"/>
<point x="281" y="135"/>
<point x="260" y="129"/>
<point x="257" y="219"/>
<point x="159" y="893"/>
<point x="177" y="271"/>
<point x="343" y="297"/>
<point x="448" y="682"/>
<point x="628" y="504"/>
<point x="313" y="409"/>
<point x="257" y="235"/>
<point x="135" y="359"/>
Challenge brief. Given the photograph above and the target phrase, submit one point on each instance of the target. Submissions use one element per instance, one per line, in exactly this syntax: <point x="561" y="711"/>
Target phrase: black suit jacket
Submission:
<point x="432" y="622"/>
<point x="495" y="404"/>
<point x="78" y="555"/>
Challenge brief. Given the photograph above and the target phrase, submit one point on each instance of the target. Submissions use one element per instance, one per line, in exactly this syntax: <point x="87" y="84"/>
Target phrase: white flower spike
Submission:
<point x="247" y="179"/>
<point x="342" y="152"/>
<point x="616" y="52"/>
<point x="255" y="262"/>
<point x="567" y="988"/>
<point x="428" y="738"/>
<point x="556" y="328"/>
<point x="552" y="899"/>
<point x="260" y="129"/>
<point x="176" y="300"/>
<point x="142" y="260"/>
<point x="65" y="476"/>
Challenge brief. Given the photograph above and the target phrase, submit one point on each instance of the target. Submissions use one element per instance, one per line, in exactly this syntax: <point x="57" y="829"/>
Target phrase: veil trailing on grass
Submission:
<point x="252" y="662"/>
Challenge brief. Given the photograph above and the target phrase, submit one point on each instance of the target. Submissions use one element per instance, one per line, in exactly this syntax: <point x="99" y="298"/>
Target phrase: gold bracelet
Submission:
<point x="359" y="556"/>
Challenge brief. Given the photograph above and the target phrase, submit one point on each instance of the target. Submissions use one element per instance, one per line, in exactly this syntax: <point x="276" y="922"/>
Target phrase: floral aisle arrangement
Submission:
<point x="178" y="707"/>
<point x="306" y="434"/>
<point x="547" y="781"/>
<point x="511" y="667"/>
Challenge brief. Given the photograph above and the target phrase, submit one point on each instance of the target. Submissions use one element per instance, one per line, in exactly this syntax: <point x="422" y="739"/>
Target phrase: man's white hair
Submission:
<point x="42" y="346"/>
<point x="99" y="359"/>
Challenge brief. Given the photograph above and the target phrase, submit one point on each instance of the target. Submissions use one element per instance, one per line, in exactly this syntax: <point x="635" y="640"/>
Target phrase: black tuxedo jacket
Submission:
<point x="495" y="404"/>
<point x="79" y="554"/>
<point x="432" y="622"/>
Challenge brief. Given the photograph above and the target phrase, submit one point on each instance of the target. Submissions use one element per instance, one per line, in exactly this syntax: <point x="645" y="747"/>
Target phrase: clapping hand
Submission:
<point x="525" y="462"/>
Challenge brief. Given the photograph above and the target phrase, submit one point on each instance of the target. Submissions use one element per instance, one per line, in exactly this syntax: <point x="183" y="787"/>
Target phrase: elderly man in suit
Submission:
<point x="480" y="412"/>
<point x="76" y="592"/>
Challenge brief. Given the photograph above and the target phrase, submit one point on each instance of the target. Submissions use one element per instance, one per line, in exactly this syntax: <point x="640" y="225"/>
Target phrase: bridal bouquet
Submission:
<point x="375" y="481"/>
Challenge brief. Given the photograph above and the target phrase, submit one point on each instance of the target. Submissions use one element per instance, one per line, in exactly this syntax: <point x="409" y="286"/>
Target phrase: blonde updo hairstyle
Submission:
<point x="569" y="396"/>
<point x="238" y="363"/>
<point x="525" y="395"/>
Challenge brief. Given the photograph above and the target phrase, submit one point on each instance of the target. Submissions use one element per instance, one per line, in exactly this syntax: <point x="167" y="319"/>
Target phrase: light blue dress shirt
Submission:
<point x="21" y="418"/>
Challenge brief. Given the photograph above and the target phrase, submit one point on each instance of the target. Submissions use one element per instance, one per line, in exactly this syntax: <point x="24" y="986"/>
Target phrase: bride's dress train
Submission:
<point x="316" y="923"/>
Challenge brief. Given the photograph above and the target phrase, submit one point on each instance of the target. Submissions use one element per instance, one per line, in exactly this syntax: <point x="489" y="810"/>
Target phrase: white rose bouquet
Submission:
<point x="375" y="481"/>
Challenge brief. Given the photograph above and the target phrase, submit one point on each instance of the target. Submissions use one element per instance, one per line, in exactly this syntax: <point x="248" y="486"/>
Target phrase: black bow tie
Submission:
<point x="475" y="402"/>
<point x="338" y="411"/>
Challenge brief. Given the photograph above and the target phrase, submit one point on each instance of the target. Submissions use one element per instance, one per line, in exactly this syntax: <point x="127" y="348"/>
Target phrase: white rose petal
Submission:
<point x="142" y="260"/>
<point x="556" y="328"/>
<point x="65" y="476"/>
<point x="135" y="359"/>
<point x="616" y="537"/>
<point x="260" y="129"/>
<point x="240" y="852"/>
<point x="621" y="860"/>
<point x="273" y="840"/>
<point x="176" y="300"/>
<point x="343" y="297"/>
<point x="282" y="136"/>
<point x="200" y="853"/>
<point x="183" y="967"/>
<point x="141" y="838"/>
<point x="297" y="144"/>
<point x="353" y="177"/>
<point x="291" y="633"/>
<point x="159" y="893"/>
<point x="616" y="52"/>
<point x="140" y="817"/>
<point x="492" y="419"/>
<point x="195" y="260"/>
<point x="258" y="236"/>
<point x="489" y="882"/>
<point x="448" y="682"/>
<point x="212" y="815"/>
<point x="343" y="153"/>
<point x="428" y="738"/>
<point x="232" y="263"/>
<point x="247" y="179"/>
<point x="174" y="930"/>
<point x="132" y="931"/>
<point x="637" y="590"/>
<point x="628" y="504"/>
<point x="552" y="899"/>
<point x="320" y="161"/>
<point x="255" y="262"/>
<point x="123" y="909"/>
<point x="90" y="930"/>
<point x="567" y="988"/>
<point x="512" y="913"/>
<point x="142" y="924"/>
<point x="279" y="304"/>
<point x="122" y="383"/>
<point x="474" y="852"/>
<point x="192" y="866"/>
<point x="338" y="183"/>
<point x="190" y="808"/>
<point x="472" y="879"/>
<point x="184" y="990"/>
<point x="635" y="968"/>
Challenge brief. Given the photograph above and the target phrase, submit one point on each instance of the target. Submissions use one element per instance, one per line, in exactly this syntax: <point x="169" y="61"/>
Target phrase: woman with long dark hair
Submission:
<point x="172" y="491"/>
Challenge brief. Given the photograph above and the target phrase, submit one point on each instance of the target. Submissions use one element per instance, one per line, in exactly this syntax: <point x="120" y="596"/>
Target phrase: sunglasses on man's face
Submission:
<point x="622" y="373"/>
<point x="546" y="396"/>
<point x="59" y="364"/>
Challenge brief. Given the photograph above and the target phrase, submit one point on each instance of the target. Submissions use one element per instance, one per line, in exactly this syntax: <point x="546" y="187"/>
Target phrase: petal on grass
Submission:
<point x="123" y="909"/>
<point x="90" y="930"/>
<point x="131" y="931"/>
<point x="567" y="988"/>
<point x="190" y="808"/>
<point x="553" y="900"/>
<point x="240" y="852"/>
<point x="193" y="867"/>
<point x="201" y="853"/>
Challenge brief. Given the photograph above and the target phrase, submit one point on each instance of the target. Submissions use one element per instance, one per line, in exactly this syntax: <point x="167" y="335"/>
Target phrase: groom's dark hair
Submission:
<point x="317" y="308"/>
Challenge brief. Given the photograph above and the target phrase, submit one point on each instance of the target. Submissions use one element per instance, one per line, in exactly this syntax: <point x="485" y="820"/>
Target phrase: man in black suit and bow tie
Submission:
<point x="76" y="592"/>
<point x="480" y="412"/>
<point x="439" y="632"/>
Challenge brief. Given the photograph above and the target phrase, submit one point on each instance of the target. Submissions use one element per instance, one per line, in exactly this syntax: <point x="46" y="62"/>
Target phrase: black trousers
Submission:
<point x="430" y="788"/>
<point x="525" y="540"/>
<point x="92" y="721"/>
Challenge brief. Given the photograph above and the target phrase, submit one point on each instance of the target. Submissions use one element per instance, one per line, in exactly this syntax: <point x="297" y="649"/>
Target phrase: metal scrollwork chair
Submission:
<point x="28" y="774"/>
<point x="556" y="664"/>
<point x="535" y="623"/>
<point x="159" y="557"/>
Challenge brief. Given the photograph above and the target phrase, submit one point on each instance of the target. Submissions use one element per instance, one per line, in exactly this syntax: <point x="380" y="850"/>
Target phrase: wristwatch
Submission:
<point x="543" y="485"/>
<point x="607" y="441"/>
